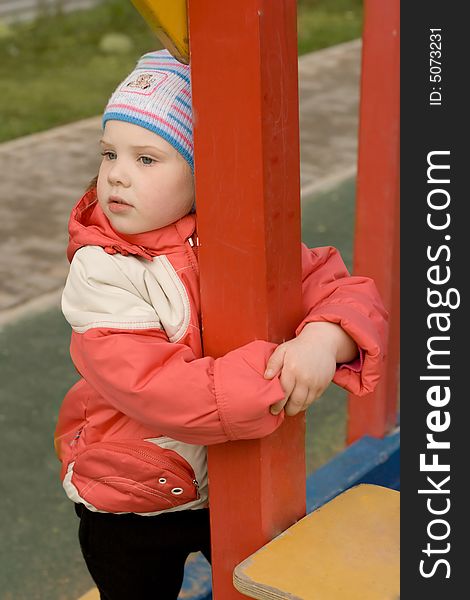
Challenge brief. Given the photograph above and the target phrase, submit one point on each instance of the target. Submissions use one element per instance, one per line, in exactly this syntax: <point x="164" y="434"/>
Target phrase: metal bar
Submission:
<point x="376" y="251"/>
<point x="245" y="103"/>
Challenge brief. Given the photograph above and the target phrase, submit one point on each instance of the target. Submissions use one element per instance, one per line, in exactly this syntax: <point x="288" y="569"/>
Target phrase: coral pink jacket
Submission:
<point x="132" y="431"/>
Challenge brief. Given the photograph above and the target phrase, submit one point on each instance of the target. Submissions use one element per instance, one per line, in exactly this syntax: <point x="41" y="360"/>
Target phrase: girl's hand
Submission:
<point x="307" y="364"/>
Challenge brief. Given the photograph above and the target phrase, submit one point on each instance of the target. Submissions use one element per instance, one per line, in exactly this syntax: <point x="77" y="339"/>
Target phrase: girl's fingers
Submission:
<point x="276" y="408"/>
<point x="275" y="362"/>
<point x="312" y="396"/>
<point x="288" y="385"/>
<point x="297" y="400"/>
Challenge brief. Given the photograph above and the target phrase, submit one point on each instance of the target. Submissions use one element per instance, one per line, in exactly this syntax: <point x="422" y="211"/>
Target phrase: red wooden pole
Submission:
<point x="245" y="104"/>
<point x="376" y="251"/>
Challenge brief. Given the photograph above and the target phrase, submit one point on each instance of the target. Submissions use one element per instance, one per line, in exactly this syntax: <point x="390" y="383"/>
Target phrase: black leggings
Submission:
<point x="131" y="557"/>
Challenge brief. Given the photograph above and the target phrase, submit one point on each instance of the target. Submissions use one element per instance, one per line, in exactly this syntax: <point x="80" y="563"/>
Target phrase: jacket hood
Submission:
<point x="89" y="226"/>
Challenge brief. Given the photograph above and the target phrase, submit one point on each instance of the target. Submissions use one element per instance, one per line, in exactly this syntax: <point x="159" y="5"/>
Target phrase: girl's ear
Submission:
<point x="92" y="184"/>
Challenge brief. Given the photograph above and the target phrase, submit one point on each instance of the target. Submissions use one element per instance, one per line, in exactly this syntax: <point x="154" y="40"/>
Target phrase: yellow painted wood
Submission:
<point x="349" y="549"/>
<point x="92" y="594"/>
<point x="169" y="20"/>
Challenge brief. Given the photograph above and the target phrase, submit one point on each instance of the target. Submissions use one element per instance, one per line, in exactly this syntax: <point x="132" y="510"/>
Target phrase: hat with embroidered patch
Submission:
<point x="157" y="96"/>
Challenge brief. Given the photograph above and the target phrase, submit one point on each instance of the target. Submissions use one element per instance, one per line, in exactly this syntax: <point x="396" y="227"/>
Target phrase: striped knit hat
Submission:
<point x="157" y="96"/>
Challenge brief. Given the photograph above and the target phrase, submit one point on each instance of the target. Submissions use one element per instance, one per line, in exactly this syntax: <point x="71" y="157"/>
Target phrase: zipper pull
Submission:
<point x="191" y="242"/>
<point x="77" y="435"/>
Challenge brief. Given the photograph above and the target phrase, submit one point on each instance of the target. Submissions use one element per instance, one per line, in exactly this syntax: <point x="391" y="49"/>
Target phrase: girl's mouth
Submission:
<point x="118" y="205"/>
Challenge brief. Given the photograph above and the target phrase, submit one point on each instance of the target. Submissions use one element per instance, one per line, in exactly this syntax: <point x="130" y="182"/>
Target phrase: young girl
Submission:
<point x="132" y="432"/>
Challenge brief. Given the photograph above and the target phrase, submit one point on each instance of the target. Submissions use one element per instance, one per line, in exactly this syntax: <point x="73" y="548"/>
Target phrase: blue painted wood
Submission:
<point x="386" y="474"/>
<point x="369" y="460"/>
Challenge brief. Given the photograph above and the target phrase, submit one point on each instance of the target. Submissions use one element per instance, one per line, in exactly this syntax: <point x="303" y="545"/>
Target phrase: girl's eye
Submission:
<point x="146" y="160"/>
<point x="108" y="154"/>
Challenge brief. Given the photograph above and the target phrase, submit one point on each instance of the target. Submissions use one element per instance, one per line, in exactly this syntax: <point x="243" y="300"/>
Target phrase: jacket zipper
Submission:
<point x="192" y="254"/>
<point x="156" y="461"/>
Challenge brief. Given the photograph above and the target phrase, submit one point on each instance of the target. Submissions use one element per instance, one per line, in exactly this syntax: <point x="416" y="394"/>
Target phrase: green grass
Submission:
<point x="56" y="70"/>
<point x="323" y="23"/>
<point x="53" y="71"/>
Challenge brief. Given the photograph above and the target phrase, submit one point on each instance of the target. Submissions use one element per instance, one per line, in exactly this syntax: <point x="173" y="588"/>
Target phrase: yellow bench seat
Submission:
<point x="348" y="549"/>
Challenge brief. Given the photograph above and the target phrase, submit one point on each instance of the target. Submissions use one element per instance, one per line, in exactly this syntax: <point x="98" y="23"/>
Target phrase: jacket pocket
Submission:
<point x="136" y="476"/>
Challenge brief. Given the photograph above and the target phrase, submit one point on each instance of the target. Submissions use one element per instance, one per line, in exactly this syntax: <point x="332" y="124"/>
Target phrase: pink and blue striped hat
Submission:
<point x="157" y="96"/>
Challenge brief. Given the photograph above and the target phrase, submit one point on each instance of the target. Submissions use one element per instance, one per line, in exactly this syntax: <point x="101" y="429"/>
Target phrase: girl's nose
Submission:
<point x="117" y="174"/>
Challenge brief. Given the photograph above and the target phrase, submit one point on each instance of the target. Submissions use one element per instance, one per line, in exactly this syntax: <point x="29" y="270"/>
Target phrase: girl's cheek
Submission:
<point x="100" y="188"/>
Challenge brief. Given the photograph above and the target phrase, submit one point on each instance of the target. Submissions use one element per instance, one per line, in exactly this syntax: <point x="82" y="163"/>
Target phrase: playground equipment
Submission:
<point x="342" y="529"/>
<point x="246" y="167"/>
<point x="169" y="21"/>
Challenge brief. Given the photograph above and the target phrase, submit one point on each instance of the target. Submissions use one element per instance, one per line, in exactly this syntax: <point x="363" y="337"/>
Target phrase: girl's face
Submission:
<point x="143" y="182"/>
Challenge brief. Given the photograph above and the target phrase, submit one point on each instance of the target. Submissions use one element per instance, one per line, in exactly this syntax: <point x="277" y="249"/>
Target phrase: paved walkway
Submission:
<point x="42" y="176"/>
